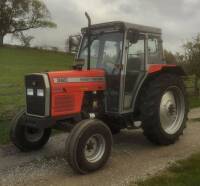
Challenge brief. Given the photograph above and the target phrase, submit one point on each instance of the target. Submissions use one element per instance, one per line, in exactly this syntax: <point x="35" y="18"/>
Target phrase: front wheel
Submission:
<point x="164" y="109"/>
<point x="88" y="146"/>
<point x="27" y="138"/>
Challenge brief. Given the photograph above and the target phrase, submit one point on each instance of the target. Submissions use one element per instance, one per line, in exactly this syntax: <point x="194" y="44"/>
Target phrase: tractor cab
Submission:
<point x="124" y="51"/>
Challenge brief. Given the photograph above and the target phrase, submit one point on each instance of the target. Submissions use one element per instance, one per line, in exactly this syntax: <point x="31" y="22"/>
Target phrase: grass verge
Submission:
<point x="4" y="132"/>
<point x="194" y="101"/>
<point x="184" y="173"/>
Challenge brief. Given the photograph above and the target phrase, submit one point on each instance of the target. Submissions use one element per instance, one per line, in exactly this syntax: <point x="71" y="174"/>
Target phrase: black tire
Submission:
<point x="76" y="144"/>
<point x="19" y="138"/>
<point x="152" y="94"/>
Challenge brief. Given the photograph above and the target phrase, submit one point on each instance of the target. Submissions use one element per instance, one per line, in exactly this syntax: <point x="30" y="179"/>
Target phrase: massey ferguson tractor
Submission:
<point x="119" y="81"/>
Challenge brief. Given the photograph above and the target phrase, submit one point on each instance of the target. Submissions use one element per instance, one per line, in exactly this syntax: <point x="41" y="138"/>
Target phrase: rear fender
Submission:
<point x="165" y="68"/>
<point x="153" y="72"/>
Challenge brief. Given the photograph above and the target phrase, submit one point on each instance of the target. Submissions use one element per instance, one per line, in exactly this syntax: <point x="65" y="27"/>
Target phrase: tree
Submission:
<point x="20" y="15"/>
<point x="24" y="39"/>
<point x="192" y="60"/>
<point x="170" y="58"/>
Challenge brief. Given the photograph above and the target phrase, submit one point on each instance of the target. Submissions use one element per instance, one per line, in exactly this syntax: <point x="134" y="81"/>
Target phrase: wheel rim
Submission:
<point x="172" y="110"/>
<point x="33" y="134"/>
<point x="94" y="148"/>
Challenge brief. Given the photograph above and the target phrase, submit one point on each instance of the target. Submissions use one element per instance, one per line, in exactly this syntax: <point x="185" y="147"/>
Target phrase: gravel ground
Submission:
<point x="133" y="158"/>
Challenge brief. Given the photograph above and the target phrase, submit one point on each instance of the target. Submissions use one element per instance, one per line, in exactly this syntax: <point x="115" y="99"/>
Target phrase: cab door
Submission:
<point x="111" y="61"/>
<point x="135" y="71"/>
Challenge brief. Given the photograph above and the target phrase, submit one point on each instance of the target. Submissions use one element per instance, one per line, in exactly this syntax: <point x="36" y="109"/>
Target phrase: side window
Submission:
<point x="152" y="46"/>
<point x="135" y="56"/>
<point x="153" y="51"/>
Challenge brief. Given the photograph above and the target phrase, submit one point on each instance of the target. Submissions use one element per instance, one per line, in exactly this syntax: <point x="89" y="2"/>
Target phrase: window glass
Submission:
<point x="106" y="50"/>
<point x="137" y="49"/>
<point x="112" y="55"/>
<point x="153" y="51"/>
<point x="153" y="46"/>
<point x="94" y="52"/>
<point x="135" y="61"/>
<point x="135" y="55"/>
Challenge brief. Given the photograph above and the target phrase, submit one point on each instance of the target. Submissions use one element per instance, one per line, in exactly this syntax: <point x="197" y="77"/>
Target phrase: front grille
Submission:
<point x="37" y="105"/>
<point x="64" y="103"/>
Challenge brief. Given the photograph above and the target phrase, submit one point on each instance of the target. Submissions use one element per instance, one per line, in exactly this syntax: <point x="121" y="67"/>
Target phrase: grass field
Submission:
<point x="14" y="64"/>
<point x="184" y="173"/>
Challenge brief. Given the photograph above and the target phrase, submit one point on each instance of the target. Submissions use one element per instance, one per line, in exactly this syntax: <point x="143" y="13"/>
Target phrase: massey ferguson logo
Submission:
<point x="78" y="79"/>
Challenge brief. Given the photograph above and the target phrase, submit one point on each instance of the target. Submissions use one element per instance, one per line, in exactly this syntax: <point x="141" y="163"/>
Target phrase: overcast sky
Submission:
<point x="179" y="19"/>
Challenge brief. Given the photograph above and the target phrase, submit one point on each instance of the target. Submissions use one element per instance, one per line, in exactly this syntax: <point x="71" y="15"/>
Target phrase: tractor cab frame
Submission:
<point x="125" y="51"/>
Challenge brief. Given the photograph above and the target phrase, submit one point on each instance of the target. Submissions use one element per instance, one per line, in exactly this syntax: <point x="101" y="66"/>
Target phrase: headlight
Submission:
<point x="40" y="92"/>
<point x="29" y="92"/>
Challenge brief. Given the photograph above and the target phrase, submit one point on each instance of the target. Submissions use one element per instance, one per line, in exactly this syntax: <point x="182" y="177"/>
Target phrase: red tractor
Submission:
<point x="119" y="81"/>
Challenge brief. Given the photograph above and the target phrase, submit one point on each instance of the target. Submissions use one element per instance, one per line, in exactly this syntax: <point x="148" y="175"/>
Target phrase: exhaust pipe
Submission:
<point x="89" y="39"/>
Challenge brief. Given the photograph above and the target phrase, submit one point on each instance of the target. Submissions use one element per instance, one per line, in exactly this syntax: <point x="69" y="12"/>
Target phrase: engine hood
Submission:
<point x="68" y="89"/>
<point x="73" y="76"/>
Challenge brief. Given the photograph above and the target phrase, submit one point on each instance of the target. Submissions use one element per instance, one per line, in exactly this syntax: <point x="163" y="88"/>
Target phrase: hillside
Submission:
<point x="14" y="64"/>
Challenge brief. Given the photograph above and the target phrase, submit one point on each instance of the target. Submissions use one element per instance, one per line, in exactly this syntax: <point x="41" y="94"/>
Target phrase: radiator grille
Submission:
<point x="64" y="103"/>
<point x="37" y="105"/>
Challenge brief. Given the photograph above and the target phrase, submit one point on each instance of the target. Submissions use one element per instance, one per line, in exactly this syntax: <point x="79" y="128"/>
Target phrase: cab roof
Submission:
<point x="117" y="25"/>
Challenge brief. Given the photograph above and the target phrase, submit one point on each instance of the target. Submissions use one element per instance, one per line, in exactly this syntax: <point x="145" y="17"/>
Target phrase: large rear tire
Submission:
<point x="164" y="109"/>
<point x="88" y="146"/>
<point x="27" y="138"/>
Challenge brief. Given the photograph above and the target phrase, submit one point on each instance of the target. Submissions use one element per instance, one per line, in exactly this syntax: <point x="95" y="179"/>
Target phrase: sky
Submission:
<point x="178" y="19"/>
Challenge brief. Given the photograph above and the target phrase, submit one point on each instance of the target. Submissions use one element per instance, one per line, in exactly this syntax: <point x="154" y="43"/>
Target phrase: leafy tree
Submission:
<point x="170" y="58"/>
<point x="192" y="60"/>
<point x="20" y="15"/>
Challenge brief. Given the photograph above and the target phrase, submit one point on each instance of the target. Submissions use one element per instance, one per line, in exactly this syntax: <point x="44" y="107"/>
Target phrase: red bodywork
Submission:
<point x="67" y="97"/>
<point x="158" y="67"/>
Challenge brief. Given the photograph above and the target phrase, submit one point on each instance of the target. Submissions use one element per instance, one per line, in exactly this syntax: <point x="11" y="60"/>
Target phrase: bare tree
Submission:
<point x="24" y="39"/>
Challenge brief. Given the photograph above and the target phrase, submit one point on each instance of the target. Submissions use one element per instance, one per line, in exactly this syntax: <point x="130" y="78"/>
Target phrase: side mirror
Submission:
<point x="72" y="44"/>
<point x="78" y="64"/>
<point x="133" y="36"/>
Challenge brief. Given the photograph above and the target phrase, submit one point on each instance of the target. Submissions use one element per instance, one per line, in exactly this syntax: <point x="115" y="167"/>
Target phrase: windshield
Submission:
<point x="106" y="50"/>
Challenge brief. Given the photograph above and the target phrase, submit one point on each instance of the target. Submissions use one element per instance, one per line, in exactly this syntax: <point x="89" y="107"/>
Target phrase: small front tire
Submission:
<point x="88" y="146"/>
<point x="27" y="138"/>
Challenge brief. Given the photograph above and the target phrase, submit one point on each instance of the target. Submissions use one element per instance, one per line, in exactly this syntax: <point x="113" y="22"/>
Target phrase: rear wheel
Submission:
<point x="164" y="109"/>
<point x="27" y="138"/>
<point x="88" y="146"/>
